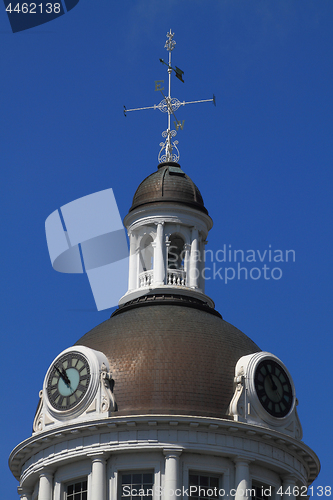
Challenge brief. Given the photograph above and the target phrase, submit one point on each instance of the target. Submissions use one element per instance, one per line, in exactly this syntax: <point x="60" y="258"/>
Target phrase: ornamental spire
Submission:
<point x="169" y="150"/>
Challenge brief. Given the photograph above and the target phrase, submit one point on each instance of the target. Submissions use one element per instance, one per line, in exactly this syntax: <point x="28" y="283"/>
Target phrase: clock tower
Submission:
<point x="166" y="400"/>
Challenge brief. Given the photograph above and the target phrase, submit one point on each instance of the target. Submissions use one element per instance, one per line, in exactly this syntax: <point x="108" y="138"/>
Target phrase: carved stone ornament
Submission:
<point x="108" y="402"/>
<point x="38" y="420"/>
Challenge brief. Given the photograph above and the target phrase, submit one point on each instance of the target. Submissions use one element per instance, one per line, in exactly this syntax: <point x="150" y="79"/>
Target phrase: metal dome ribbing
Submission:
<point x="168" y="184"/>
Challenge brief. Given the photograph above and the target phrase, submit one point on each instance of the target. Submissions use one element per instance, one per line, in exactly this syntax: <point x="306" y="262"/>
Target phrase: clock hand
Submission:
<point x="63" y="375"/>
<point x="66" y="379"/>
<point x="274" y="387"/>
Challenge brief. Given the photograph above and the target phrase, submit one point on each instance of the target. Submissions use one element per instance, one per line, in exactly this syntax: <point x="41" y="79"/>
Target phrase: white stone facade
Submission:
<point x="239" y="454"/>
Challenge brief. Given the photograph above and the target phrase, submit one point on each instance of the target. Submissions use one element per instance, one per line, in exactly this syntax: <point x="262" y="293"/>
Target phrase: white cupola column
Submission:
<point x="98" y="477"/>
<point x="288" y="485"/>
<point x="24" y="493"/>
<point x="194" y="259"/>
<point x="133" y="263"/>
<point x="202" y="266"/>
<point x="45" y="485"/>
<point x="158" y="256"/>
<point x="171" y="475"/>
<point x="187" y="248"/>
<point x="242" y="479"/>
<point x="167" y="246"/>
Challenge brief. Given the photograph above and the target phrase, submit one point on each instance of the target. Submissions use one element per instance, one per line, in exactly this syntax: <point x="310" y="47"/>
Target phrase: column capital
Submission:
<point x="46" y="472"/>
<point x="172" y="452"/>
<point x="22" y="491"/>
<point x="242" y="460"/>
<point x="98" y="456"/>
<point x="288" y="478"/>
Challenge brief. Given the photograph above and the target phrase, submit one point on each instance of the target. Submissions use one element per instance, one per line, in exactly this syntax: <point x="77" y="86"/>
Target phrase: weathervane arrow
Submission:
<point x="179" y="72"/>
<point x="169" y="105"/>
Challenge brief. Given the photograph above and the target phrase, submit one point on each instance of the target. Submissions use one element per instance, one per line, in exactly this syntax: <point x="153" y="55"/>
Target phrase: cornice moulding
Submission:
<point x="264" y="437"/>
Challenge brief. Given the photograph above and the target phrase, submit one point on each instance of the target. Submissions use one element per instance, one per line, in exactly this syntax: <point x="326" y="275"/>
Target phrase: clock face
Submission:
<point x="273" y="388"/>
<point x="68" y="381"/>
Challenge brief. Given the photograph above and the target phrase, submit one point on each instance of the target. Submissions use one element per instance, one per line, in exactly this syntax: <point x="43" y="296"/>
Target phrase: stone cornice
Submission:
<point x="267" y="441"/>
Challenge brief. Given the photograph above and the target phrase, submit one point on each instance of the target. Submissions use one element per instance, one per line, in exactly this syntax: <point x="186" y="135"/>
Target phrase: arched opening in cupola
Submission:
<point x="146" y="261"/>
<point x="176" y="257"/>
<point x="176" y="252"/>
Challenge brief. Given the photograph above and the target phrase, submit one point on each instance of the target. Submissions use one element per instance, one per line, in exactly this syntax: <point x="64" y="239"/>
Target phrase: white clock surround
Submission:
<point x="98" y="400"/>
<point x="245" y="405"/>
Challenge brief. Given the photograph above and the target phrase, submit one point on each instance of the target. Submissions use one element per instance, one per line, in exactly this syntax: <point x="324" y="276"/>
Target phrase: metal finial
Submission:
<point x="170" y="43"/>
<point x="169" y="150"/>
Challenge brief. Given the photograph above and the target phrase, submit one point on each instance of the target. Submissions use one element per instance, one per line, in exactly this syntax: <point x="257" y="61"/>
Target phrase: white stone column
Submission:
<point x="171" y="475"/>
<point x="98" y="477"/>
<point x="202" y="265"/>
<point x="133" y="271"/>
<point x="194" y="259"/>
<point x="187" y="263"/>
<point x="24" y="493"/>
<point x="58" y="490"/>
<point x="242" y="479"/>
<point x="158" y="256"/>
<point x="167" y="246"/>
<point x="288" y="484"/>
<point x="137" y="267"/>
<point x="45" y="485"/>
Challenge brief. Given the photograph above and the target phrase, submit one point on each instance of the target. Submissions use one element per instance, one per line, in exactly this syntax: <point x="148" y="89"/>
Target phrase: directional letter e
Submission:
<point x="158" y="84"/>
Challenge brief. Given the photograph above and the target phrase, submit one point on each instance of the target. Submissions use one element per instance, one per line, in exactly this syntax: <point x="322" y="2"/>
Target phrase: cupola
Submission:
<point x="167" y="227"/>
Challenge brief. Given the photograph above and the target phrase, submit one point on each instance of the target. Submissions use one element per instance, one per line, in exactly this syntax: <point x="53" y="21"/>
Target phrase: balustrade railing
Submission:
<point x="174" y="277"/>
<point x="146" y="278"/>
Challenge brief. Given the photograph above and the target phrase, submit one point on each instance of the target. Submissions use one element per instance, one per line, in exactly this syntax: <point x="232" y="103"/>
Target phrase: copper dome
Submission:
<point x="168" y="184"/>
<point x="170" y="355"/>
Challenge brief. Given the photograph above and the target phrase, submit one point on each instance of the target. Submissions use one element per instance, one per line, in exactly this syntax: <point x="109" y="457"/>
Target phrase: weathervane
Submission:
<point x="169" y="150"/>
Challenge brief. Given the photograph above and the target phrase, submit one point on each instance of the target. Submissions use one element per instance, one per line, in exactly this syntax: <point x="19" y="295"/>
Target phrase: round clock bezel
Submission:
<point x="80" y="388"/>
<point x="252" y="370"/>
<point x="83" y="402"/>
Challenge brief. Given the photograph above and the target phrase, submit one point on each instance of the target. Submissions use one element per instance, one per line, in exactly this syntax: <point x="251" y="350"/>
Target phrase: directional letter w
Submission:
<point x="179" y="125"/>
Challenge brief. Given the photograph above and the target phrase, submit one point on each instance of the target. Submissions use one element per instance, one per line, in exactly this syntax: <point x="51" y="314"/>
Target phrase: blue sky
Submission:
<point x="262" y="160"/>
